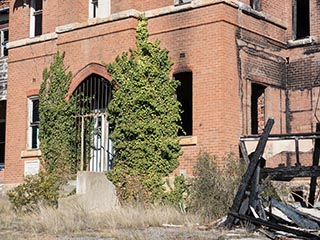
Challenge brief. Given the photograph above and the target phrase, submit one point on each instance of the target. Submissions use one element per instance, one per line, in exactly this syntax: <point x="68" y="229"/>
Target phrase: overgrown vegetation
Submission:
<point x="57" y="128"/>
<point x="57" y="137"/>
<point x="177" y="193"/>
<point x="145" y="120"/>
<point x="37" y="190"/>
<point x="213" y="187"/>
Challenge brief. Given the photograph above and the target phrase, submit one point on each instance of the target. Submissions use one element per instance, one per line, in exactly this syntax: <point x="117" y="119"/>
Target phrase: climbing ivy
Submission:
<point x="145" y="119"/>
<point x="57" y="123"/>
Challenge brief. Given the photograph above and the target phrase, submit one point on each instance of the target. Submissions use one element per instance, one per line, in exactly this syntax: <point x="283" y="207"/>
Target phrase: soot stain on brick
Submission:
<point x="241" y="94"/>
<point x="312" y="50"/>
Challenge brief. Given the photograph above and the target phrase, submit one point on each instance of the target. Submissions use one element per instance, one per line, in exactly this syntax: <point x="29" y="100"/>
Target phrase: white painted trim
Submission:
<point x="90" y="9"/>
<point x="102" y="10"/>
<point x="32" y="18"/>
<point x="29" y="120"/>
<point x="2" y="41"/>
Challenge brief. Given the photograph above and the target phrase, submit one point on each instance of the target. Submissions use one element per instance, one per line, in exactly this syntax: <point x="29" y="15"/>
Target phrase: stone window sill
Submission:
<point x="31" y="153"/>
<point x="302" y="42"/>
<point x="188" y="140"/>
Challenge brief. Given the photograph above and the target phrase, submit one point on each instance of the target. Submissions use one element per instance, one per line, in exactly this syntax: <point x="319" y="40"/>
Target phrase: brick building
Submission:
<point x="239" y="63"/>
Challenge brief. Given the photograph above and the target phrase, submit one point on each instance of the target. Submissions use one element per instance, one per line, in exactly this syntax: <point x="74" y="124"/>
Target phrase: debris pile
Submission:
<point x="271" y="216"/>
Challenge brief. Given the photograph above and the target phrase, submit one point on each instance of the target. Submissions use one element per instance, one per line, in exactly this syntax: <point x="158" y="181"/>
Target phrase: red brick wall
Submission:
<point x="24" y="77"/>
<point x="225" y="49"/>
<point x="122" y="5"/>
<point x="275" y="8"/>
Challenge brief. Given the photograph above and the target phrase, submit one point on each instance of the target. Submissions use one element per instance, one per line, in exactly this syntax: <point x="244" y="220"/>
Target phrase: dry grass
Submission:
<point x="75" y="219"/>
<point x="132" y="223"/>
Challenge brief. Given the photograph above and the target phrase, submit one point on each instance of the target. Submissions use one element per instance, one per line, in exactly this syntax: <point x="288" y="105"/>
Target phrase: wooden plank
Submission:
<point x="244" y="152"/>
<point x="287" y="173"/>
<point x="315" y="162"/>
<point x="294" y="215"/>
<point x="249" y="172"/>
<point x="275" y="226"/>
<point x="254" y="185"/>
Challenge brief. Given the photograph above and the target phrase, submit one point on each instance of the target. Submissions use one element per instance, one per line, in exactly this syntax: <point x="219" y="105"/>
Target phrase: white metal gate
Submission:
<point x="93" y="127"/>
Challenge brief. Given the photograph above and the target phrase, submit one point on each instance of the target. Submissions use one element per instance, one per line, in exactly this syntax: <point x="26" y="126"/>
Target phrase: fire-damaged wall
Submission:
<point x="262" y="73"/>
<point x="303" y="88"/>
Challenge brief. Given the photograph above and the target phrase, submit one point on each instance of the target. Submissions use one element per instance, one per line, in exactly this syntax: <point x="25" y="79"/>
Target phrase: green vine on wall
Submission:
<point x="145" y="119"/>
<point x="57" y="128"/>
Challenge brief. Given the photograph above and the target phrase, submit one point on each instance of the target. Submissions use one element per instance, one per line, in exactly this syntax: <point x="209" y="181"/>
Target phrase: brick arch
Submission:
<point x="92" y="68"/>
<point x="180" y="69"/>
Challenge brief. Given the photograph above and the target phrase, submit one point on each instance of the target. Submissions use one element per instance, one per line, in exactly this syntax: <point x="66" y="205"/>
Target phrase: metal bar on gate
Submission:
<point x="103" y="140"/>
<point x="82" y="145"/>
<point x="98" y="90"/>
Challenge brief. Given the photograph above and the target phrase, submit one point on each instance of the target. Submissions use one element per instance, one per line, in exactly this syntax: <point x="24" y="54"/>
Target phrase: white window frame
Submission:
<point x="3" y="42"/>
<point x="31" y="123"/>
<point x="99" y="8"/>
<point x="33" y="14"/>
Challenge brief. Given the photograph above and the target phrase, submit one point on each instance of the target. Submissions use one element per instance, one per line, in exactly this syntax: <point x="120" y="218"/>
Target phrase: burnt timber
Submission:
<point x="255" y="168"/>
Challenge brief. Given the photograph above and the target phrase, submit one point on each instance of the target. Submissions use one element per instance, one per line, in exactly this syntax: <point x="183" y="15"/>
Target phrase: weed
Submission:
<point x="40" y="189"/>
<point x="213" y="187"/>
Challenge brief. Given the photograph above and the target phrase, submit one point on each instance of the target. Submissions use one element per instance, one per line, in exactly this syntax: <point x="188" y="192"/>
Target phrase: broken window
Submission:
<point x="2" y="132"/>
<point x="255" y="4"/>
<point x="301" y="19"/>
<point x="184" y="96"/>
<point x="99" y="8"/>
<point x="33" y="122"/>
<point x="4" y="37"/>
<point x="257" y="108"/>
<point x="36" y="18"/>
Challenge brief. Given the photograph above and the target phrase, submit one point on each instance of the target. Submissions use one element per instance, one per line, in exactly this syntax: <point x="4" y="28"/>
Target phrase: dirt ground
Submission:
<point x="140" y="234"/>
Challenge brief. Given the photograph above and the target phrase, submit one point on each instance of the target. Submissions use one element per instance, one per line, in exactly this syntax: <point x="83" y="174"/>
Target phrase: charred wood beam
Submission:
<point x="290" y="136"/>
<point x="249" y="172"/>
<point x="315" y="163"/>
<point x="300" y="219"/>
<point x="274" y="226"/>
<point x="244" y="152"/>
<point x="287" y="173"/>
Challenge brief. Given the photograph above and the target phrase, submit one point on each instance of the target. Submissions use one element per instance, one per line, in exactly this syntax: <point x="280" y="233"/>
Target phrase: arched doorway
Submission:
<point x="94" y="146"/>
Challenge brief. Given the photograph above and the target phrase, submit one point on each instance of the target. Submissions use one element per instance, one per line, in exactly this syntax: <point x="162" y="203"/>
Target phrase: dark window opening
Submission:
<point x="3" y="106"/>
<point x="95" y="6"/>
<point x="38" y="25"/>
<point x="34" y="123"/>
<point x="301" y="19"/>
<point x="257" y="108"/>
<point x="37" y="17"/>
<point x="5" y="41"/>
<point x="255" y="4"/>
<point x="184" y="96"/>
<point x="180" y="2"/>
